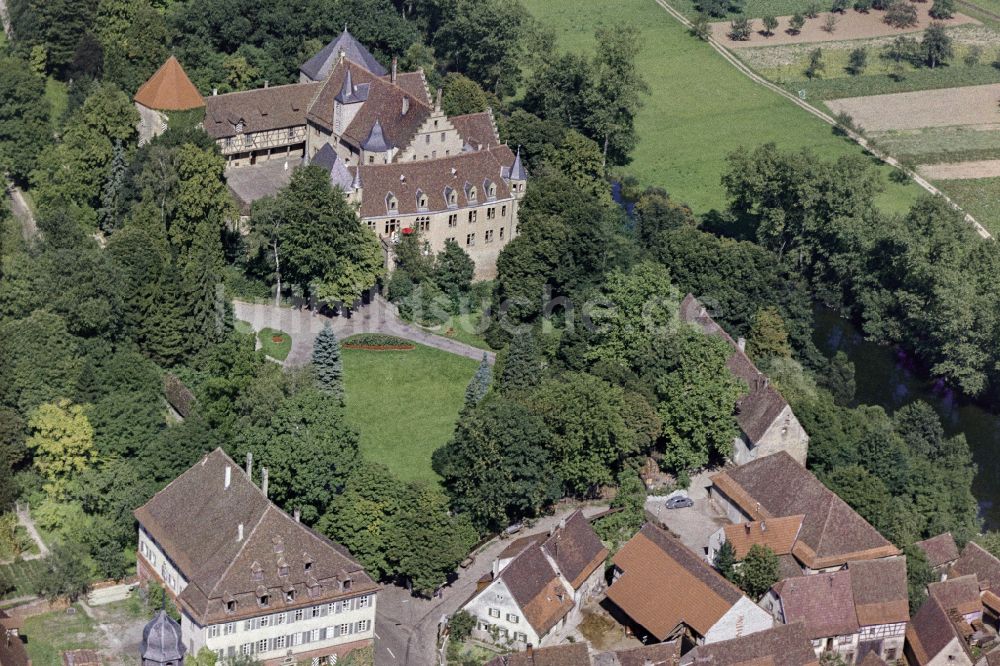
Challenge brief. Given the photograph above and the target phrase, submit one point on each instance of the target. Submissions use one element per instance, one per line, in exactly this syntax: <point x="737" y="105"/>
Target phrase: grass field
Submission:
<point x="49" y="635"/>
<point x="58" y="98"/>
<point x="405" y="404"/>
<point x="942" y="144"/>
<point x="276" y="350"/>
<point x="700" y="108"/>
<point x="980" y="197"/>
<point x="754" y="8"/>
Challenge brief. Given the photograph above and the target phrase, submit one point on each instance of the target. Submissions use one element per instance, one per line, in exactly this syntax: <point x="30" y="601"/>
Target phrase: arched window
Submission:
<point x="472" y="193"/>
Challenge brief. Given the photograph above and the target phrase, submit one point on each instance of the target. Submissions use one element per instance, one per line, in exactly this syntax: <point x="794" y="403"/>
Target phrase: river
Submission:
<point x="887" y="376"/>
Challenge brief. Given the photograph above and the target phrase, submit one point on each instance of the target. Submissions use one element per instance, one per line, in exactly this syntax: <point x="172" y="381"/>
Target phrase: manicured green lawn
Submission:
<point x="463" y="328"/>
<point x="279" y="349"/>
<point x="979" y="197"/>
<point x="49" y="635"/>
<point x="405" y="404"/>
<point x="700" y="108"/>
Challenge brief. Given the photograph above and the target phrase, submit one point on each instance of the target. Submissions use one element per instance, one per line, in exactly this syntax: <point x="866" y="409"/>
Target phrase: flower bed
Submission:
<point x="377" y="342"/>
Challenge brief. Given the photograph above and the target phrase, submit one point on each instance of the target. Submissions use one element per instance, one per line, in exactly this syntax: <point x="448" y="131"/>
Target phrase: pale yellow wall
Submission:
<point x="437" y="137"/>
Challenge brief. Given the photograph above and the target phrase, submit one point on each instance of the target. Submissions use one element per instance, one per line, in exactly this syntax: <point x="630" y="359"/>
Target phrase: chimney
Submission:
<point x="239" y="532"/>
<point x="395" y="64"/>
<point x="297" y="514"/>
<point x="406" y="105"/>
<point x="263" y="480"/>
<point x="229" y="476"/>
<point x="250" y="465"/>
<point x="437" y="100"/>
<point x="741" y="344"/>
<point x="215" y="91"/>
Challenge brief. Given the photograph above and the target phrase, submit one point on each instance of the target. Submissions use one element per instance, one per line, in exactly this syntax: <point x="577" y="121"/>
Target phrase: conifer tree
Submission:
<point x="521" y="369"/>
<point x="327" y="363"/>
<point x="725" y="561"/>
<point x="479" y="385"/>
<point x="109" y="213"/>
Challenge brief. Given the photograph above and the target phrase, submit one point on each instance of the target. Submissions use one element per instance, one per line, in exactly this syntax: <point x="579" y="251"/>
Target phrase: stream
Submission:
<point x="889" y="377"/>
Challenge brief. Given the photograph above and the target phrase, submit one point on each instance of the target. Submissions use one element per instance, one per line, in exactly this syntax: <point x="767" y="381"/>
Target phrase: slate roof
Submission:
<point x="778" y="534"/>
<point x="415" y="84"/>
<point x="318" y="67"/>
<point x="433" y="177"/>
<point x="195" y="520"/>
<point x="823" y="603"/>
<point x="576" y="549"/>
<point x="880" y="591"/>
<point x="762" y="404"/>
<point x="537" y="590"/>
<point x="169" y="89"/>
<point x="476" y="129"/>
<point x="340" y="176"/>
<point x="573" y="654"/>
<point x="940" y="550"/>
<point x="663" y="584"/>
<point x="783" y="645"/>
<point x="161" y="640"/>
<point x="383" y="102"/>
<point x="930" y="631"/>
<point x="832" y="532"/>
<point x="260" y="110"/>
<point x="960" y="593"/>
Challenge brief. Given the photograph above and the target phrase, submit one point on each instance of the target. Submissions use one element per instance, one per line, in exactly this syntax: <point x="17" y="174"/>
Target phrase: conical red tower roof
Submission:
<point x="169" y="89"/>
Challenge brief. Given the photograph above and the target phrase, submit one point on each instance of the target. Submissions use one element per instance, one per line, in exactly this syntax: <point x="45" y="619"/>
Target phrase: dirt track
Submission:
<point x="968" y="105"/>
<point x="961" y="170"/>
<point x="850" y="25"/>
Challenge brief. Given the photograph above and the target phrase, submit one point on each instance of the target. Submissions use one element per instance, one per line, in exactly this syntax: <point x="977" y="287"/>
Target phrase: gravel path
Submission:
<point x="19" y="207"/>
<point x="380" y="316"/>
<point x="24" y="518"/>
<point x="961" y="170"/>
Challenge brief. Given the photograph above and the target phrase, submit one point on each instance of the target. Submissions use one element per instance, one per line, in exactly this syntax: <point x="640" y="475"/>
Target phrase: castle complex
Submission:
<point x="405" y="165"/>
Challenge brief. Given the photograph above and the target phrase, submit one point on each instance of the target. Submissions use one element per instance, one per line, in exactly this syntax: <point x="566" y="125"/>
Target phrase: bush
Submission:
<point x="816" y="66"/>
<point x="972" y="56"/>
<point x="857" y="61"/>
<point x="740" y="29"/>
<point x="461" y="625"/>
<point x="830" y="24"/>
<point x="839" y="6"/>
<point x="901" y="14"/>
<point x="770" y="23"/>
<point x="795" y="24"/>
<point x="374" y="340"/>
<point x="862" y="6"/>
<point x="700" y="27"/>
<point x="813" y="9"/>
<point x="943" y="9"/>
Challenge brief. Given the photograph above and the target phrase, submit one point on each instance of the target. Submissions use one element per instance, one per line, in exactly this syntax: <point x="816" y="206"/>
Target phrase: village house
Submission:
<point x="777" y="534"/>
<point x="669" y="593"/>
<point x="538" y="586"/>
<point x="863" y="608"/>
<point x="766" y="420"/>
<point x="783" y="645"/>
<point x="976" y="560"/>
<point x="248" y="578"/>
<point x="389" y="146"/>
<point x="937" y="636"/>
<point x="941" y="552"/>
<point x="776" y="486"/>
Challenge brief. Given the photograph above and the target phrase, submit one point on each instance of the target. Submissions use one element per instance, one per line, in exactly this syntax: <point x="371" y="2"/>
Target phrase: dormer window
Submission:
<point x="263" y="600"/>
<point x="491" y="189"/>
<point x="282" y="571"/>
<point x="290" y="595"/>
<point x="391" y="203"/>
<point x="451" y="196"/>
<point x="231" y="606"/>
<point x="421" y="200"/>
<point x="347" y="584"/>
<point x="239" y="126"/>
<point x="472" y="193"/>
<point x="279" y="546"/>
<point x="256" y="572"/>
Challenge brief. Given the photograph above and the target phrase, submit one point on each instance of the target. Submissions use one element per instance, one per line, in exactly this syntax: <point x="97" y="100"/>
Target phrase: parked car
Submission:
<point x="514" y="529"/>
<point x="679" y="502"/>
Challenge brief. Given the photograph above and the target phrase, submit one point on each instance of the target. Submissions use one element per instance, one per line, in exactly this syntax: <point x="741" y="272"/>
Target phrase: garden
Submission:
<point x="403" y="402"/>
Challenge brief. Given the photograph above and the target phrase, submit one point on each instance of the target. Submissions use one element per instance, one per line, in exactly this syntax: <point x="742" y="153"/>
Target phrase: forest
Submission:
<point x="137" y="258"/>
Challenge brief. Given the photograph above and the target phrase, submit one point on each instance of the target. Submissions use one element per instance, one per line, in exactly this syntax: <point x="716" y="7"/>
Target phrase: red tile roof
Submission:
<point x="574" y="654"/>
<point x="823" y="603"/>
<point x="880" y="591"/>
<point x="476" y="129"/>
<point x="977" y="560"/>
<point x="930" y="632"/>
<point x="576" y="549"/>
<point x="663" y="584"/>
<point x="169" y="89"/>
<point x="537" y="589"/>
<point x="940" y="550"/>
<point x="783" y="645"/>
<point x="778" y="534"/>
<point x="260" y="110"/>
<point x="960" y="593"/>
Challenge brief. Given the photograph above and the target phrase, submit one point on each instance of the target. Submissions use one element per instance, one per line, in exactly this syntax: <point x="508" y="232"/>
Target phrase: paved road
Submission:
<point x="407" y="627"/>
<point x="380" y="316"/>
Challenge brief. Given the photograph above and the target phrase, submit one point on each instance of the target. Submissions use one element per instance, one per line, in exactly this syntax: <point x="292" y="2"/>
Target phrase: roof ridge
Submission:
<point x="236" y="555"/>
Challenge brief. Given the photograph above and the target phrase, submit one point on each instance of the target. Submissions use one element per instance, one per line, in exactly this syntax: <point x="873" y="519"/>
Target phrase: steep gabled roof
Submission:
<point x="169" y="89"/>
<point x="318" y="67"/>
<point x="930" y="631"/>
<point x="340" y="175"/>
<point x="823" y="603"/>
<point x="476" y="129"/>
<point x="832" y="532"/>
<point x="199" y="522"/>
<point x="663" y="584"/>
<point x="782" y="645"/>
<point x="977" y="560"/>
<point x="940" y="550"/>
<point x="762" y="404"/>
<point x="537" y="590"/>
<point x="961" y="593"/>
<point x="576" y="549"/>
<point x="880" y="591"/>
<point x="778" y="534"/>
<point x="260" y="110"/>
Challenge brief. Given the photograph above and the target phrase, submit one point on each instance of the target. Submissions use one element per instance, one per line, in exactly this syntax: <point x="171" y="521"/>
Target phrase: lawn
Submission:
<point x="700" y="108"/>
<point x="463" y="328"/>
<point x="980" y="197"/>
<point x="275" y="343"/>
<point x="405" y="404"/>
<point x="50" y="634"/>
<point x="57" y="96"/>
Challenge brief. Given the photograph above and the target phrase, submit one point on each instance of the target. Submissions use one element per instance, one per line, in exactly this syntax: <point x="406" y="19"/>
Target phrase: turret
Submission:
<point x="518" y="176"/>
<point x="377" y="146"/>
<point x="161" y="642"/>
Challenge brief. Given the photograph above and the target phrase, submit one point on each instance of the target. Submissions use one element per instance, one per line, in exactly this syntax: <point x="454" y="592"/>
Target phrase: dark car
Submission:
<point x="679" y="502"/>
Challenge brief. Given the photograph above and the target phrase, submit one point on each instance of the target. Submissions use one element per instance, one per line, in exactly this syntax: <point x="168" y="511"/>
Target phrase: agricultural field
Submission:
<point x="969" y="106"/>
<point x="979" y="196"/>
<point x="700" y="108"/>
<point x="405" y="404"/>
<point x="19" y="576"/>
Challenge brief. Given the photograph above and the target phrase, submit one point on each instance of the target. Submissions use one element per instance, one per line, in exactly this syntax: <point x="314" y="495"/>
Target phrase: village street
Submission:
<point x="406" y="627"/>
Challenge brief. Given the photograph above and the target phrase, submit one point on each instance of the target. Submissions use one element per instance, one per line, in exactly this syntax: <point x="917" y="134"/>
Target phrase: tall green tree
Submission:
<point x="62" y="441"/>
<point x="618" y="90"/>
<point x="24" y="118"/>
<point x="936" y="45"/>
<point x="461" y="95"/>
<point x="522" y="363"/>
<point x="453" y="270"/>
<point x="479" y="385"/>
<point x="483" y="39"/>
<point x="758" y="571"/>
<point x="768" y="336"/>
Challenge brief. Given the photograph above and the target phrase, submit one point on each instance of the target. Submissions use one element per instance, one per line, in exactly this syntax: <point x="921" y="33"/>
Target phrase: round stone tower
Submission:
<point x="161" y="642"/>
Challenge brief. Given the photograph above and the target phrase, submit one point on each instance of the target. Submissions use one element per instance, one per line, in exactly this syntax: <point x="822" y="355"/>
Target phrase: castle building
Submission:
<point x="248" y="578"/>
<point x="169" y="89"/>
<point x="387" y="143"/>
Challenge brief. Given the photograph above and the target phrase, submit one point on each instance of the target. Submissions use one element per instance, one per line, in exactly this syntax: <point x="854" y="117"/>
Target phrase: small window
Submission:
<point x="494" y="612"/>
<point x="523" y="638"/>
<point x="364" y="601"/>
<point x="371" y="159"/>
<point x="347" y="584"/>
<point x="308" y="566"/>
<point x="282" y="571"/>
<point x="472" y="193"/>
<point x="453" y="220"/>
<point x="345" y="629"/>
<point x="470" y="240"/>
<point x="513" y="619"/>
<point x="262" y="645"/>
<point x="428" y="138"/>
<point x="291" y="132"/>
<point x="503" y="211"/>
<point x="213" y="631"/>
<point x="472" y="216"/>
<point x="230" y="606"/>
<point x="290" y="596"/>
<point x="489" y="236"/>
<point x="501" y="233"/>
<point x="443" y="135"/>
<point x="299" y="614"/>
<point x="264" y="600"/>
